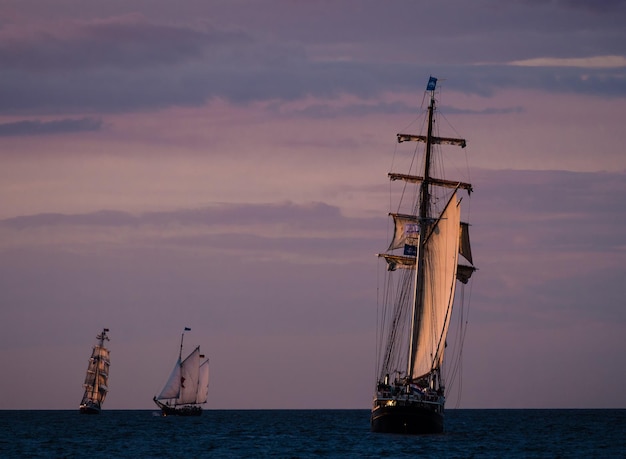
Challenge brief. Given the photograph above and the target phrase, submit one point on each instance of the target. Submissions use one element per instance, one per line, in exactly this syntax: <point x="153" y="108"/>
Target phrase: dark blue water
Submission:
<point x="311" y="434"/>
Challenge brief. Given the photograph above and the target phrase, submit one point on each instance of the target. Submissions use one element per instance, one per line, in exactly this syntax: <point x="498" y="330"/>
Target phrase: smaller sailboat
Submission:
<point x="97" y="379"/>
<point x="188" y="385"/>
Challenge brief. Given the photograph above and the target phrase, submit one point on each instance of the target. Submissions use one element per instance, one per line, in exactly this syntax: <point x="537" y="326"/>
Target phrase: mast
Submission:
<point x="180" y="363"/>
<point x="182" y="337"/>
<point x="424" y="213"/>
<point x="427" y="223"/>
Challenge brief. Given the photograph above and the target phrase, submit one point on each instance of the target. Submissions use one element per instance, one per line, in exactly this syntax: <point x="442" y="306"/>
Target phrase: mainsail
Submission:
<point x="440" y="263"/>
<point x="97" y="377"/>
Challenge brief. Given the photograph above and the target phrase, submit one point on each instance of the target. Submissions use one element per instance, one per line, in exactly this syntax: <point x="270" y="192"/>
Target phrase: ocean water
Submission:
<point x="310" y="434"/>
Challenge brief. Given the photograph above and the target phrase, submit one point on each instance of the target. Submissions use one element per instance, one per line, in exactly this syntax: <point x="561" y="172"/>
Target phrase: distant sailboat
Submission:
<point x="188" y="385"/>
<point x="96" y="381"/>
<point x="419" y="291"/>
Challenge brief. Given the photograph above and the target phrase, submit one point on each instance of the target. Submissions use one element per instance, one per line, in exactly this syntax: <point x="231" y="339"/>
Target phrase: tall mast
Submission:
<point x="424" y="223"/>
<point x="424" y="189"/>
<point x="180" y="360"/>
<point x="180" y="352"/>
<point x="182" y="336"/>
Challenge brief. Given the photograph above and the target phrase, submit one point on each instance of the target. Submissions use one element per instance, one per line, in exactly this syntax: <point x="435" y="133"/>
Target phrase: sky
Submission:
<point x="222" y="165"/>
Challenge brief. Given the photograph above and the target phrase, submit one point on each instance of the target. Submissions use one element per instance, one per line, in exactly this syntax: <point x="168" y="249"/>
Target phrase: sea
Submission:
<point x="519" y="433"/>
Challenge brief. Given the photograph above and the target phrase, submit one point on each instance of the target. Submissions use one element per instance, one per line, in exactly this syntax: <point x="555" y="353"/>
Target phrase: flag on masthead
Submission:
<point x="432" y="82"/>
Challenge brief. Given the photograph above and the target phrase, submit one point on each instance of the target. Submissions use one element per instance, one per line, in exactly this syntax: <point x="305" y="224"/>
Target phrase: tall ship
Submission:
<point x="97" y="378"/>
<point x="428" y="254"/>
<point x="187" y="388"/>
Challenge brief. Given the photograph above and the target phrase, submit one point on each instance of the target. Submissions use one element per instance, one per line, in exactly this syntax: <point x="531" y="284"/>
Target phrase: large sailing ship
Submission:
<point x="187" y="387"/>
<point x="428" y="254"/>
<point x="97" y="379"/>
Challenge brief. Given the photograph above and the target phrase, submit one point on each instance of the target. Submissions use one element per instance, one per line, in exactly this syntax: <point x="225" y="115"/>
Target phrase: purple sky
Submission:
<point x="222" y="165"/>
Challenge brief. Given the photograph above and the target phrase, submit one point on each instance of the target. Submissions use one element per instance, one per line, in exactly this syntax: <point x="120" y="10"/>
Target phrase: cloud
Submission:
<point x="332" y="108"/>
<point x="308" y="233"/>
<point x="36" y="127"/>
<point x="327" y="110"/>
<point x="219" y="214"/>
<point x="603" y="7"/>
<point x="553" y="211"/>
<point x="129" y="42"/>
<point x="130" y="63"/>
<point x="597" y="62"/>
<point x="542" y="198"/>
<point x="484" y="111"/>
<point x="521" y="212"/>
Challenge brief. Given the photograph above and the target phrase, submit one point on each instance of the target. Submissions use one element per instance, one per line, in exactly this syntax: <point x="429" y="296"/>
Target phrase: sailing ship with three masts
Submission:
<point x="97" y="378"/>
<point x="188" y="385"/>
<point x="428" y="254"/>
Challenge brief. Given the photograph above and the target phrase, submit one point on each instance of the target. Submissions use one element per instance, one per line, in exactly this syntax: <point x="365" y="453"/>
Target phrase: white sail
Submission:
<point x="172" y="386"/>
<point x="190" y="372"/>
<point x="441" y="257"/>
<point x="203" y="383"/>
<point x="406" y="231"/>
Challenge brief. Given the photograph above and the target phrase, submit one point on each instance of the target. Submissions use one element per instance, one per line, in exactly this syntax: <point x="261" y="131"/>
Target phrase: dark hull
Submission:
<point x="185" y="410"/>
<point x="182" y="411"/>
<point x="89" y="408"/>
<point x="407" y="419"/>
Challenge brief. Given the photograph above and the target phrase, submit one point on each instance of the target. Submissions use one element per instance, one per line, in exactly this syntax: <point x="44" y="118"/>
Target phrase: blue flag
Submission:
<point x="432" y="82"/>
